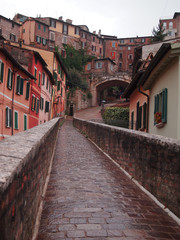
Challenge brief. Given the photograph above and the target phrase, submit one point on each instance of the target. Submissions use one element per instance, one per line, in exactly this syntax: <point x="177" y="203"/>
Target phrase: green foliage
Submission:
<point x="158" y="33"/>
<point x="117" y="116"/>
<point x="89" y="95"/>
<point x="74" y="62"/>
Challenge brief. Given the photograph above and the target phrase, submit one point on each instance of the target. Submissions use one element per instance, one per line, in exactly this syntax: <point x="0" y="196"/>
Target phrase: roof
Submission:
<point x="36" y="20"/>
<point x="176" y="14"/>
<point x="8" y="19"/>
<point x="133" y="84"/>
<point x="59" y="59"/>
<point x="38" y="56"/>
<point x="157" y="58"/>
<point x="16" y="64"/>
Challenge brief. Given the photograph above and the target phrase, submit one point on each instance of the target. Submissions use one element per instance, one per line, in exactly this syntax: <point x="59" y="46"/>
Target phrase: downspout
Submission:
<point x="147" y="112"/>
<point x="13" y="87"/>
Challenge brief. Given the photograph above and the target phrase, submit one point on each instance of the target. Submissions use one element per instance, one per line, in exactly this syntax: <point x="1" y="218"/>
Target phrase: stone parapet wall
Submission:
<point x="25" y="159"/>
<point x="154" y="161"/>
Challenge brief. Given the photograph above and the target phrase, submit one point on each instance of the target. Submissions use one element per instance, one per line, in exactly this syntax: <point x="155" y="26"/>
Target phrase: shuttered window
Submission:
<point x="33" y="103"/>
<point x="43" y="78"/>
<point x="41" y="103"/>
<point x="46" y="106"/>
<point x="1" y="71"/>
<point x="37" y="106"/>
<point x="144" y="114"/>
<point x="160" y="107"/>
<point x="8" y="117"/>
<point x="27" y="90"/>
<point x="19" y="85"/>
<point x="47" y="83"/>
<point x="39" y="82"/>
<point x="58" y="85"/>
<point x="9" y="79"/>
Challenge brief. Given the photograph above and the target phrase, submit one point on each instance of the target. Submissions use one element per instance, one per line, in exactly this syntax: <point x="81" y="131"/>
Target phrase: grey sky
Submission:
<point x="116" y="17"/>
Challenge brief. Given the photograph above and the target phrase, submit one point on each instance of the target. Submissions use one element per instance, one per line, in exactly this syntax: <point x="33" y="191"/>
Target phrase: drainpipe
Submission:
<point x="13" y="87"/>
<point x="147" y="113"/>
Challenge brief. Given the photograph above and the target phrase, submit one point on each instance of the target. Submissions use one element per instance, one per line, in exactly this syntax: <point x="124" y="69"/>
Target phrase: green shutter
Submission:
<point x="11" y="79"/>
<point x="16" y="120"/>
<point x="144" y="115"/>
<point x="58" y="85"/>
<point x="21" y="85"/>
<point x="27" y="90"/>
<point x="47" y="106"/>
<point x="25" y="122"/>
<point x="137" y="115"/>
<point x="2" y="72"/>
<point x="8" y="78"/>
<point x="140" y="117"/>
<point x="164" y="105"/>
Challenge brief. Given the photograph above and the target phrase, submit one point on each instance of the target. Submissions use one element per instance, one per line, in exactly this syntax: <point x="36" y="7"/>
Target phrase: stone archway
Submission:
<point x="103" y="83"/>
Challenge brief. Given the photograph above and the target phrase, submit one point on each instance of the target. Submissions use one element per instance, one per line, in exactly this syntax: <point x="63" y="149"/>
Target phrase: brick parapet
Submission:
<point x="154" y="161"/>
<point x="24" y="166"/>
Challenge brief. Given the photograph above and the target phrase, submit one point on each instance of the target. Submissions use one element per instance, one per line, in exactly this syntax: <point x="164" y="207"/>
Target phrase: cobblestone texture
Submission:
<point x="89" y="198"/>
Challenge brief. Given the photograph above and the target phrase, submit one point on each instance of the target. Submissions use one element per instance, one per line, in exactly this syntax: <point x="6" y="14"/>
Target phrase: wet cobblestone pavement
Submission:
<point x="88" y="197"/>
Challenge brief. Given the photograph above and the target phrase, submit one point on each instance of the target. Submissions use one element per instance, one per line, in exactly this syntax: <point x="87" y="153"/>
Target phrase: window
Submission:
<point x="113" y="55"/>
<point x="15" y="120"/>
<point x="94" y="39"/>
<point x="12" y="37"/>
<point x="33" y="103"/>
<point x="12" y="25"/>
<point x="64" y="39"/>
<point x="1" y="71"/>
<point x="83" y="45"/>
<point x="83" y="35"/>
<point x="46" y="106"/>
<point x="160" y="107"/>
<point x="164" y="25"/>
<point x="44" y="28"/>
<point x="62" y="91"/>
<point x="121" y="47"/>
<point x="65" y="28"/>
<point x="8" y="117"/>
<point x="38" y="39"/>
<point x="143" y="40"/>
<point x="19" y="85"/>
<point x="111" y="67"/>
<point x="120" y="56"/>
<point x="122" y="41"/>
<point x="52" y="36"/>
<point x="37" y="106"/>
<point x="27" y="90"/>
<point x="25" y="122"/>
<point x="89" y="66"/>
<point x="44" y="41"/>
<point x="130" y="57"/>
<point x="93" y="48"/>
<point x="131" y="40"/>
<point x="35" y="73"/>
<point x="98" y="65"/>
<point x="39" y="26"/>
<point x="138" y="116"/>
<point x="100" y="50"/>
<point x="49" y="88"/>
<point x="120" y="65"/>
<point x="43" y="78"/>
<point x="41" y="103"/>
<point x="171" y="25"/>
<point x="129" y="48"/>
<point x="52" y="23"/>
<point x="39" y="81"/>
<point x="9" y="79"/>
<point x="144" y="115"/>
<point x="47" y="83"/>
<point x="113" y="44"/>
<point x="76" y="30"/>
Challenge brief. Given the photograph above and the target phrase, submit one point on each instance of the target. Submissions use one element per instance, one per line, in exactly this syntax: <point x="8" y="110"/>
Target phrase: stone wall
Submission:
<point x="154" y="161"/>
<point x="25" y="159"/>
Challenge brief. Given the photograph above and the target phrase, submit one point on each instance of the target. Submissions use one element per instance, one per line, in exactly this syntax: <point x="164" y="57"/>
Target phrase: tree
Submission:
<point x="158" y="33"/>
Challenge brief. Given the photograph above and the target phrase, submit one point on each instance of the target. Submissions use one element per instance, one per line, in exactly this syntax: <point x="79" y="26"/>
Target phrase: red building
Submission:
<point x="34" y="63"/>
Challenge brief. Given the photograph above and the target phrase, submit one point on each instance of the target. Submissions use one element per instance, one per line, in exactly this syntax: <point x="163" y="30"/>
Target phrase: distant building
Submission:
<point x="9" y="29"/>
<point x="171" y="26"/>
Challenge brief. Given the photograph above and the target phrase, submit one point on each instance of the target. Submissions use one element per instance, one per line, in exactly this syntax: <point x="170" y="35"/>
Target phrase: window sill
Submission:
<point x="160" y="125"/>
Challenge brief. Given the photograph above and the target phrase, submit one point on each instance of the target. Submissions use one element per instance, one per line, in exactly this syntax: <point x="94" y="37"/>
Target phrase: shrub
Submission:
<point x="117" y="116"/>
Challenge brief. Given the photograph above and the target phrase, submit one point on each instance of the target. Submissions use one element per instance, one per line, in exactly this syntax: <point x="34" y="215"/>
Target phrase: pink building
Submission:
<point x="47" y="83"/>
<point x="14" y="95"/>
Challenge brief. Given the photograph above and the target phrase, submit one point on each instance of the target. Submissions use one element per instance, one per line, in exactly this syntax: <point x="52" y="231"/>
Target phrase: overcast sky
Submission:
<point x="121" y="18"/>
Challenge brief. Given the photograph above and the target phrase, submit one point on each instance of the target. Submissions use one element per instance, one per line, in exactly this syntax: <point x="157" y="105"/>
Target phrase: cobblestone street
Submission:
<point x="89" y="197"/>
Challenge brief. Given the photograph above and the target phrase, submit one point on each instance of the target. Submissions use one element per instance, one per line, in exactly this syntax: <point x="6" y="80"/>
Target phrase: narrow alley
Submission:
<point x="89" y="197"/>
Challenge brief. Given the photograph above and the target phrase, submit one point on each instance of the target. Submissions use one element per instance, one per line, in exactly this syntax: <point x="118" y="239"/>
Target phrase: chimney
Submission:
<point x="69" y="21"/>
<point x="94" y="32"/>
<point x="99" y="33"/>
<point x="60" y="18"/>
